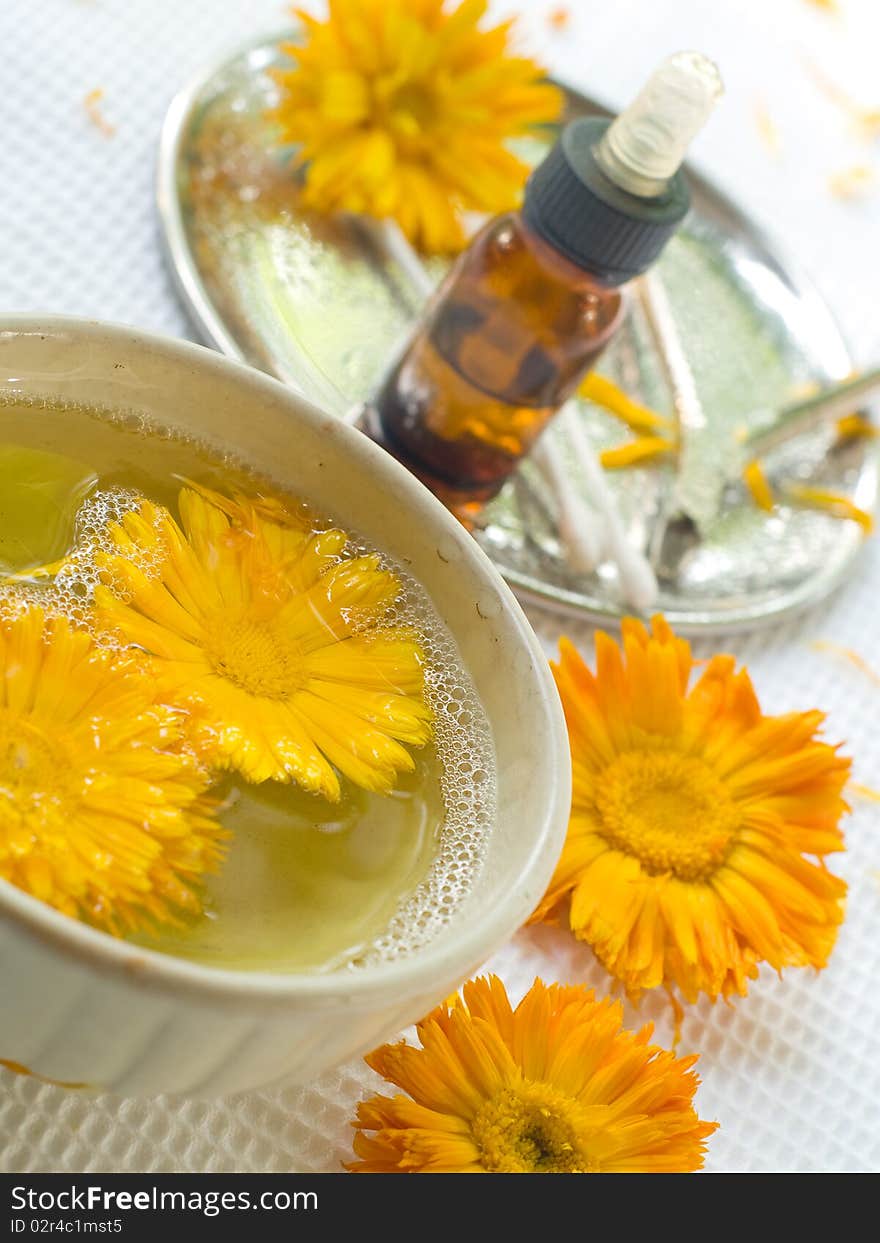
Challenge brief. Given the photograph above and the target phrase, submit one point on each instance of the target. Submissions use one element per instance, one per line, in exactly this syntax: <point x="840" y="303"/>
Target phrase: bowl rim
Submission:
<point x="440" y="958"/>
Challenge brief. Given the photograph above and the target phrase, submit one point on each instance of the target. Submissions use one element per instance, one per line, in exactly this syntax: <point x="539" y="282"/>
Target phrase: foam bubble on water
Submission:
<point x="69" y="592"/>
<point x="465" y="749"/>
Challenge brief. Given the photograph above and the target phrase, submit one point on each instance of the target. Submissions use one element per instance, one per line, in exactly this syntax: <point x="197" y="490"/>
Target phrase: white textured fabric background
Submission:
<point x="792" y="1071"/>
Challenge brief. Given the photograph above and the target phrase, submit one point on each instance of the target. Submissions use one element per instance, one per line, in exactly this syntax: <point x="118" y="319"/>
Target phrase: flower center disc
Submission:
<point x="669" y="810"/>
<point x="530" y="1129"/>
<point x="413" y="101"/>
<point x="32" y="771"/>
<point x="255" y="656"/>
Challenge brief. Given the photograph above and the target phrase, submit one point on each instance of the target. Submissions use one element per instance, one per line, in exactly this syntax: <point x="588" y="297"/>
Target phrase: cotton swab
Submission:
<point x="638" y="583"/>
<point x="581" y="529"/>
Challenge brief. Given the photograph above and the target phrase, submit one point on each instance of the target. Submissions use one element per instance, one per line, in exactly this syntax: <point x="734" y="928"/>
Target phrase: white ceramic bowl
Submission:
<point x="82" y="1007"/>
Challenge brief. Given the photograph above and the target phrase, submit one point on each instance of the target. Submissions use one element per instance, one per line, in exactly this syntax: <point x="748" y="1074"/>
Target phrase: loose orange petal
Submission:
<point x="757" y="484"/>
<point x="17" y="1069"/>
<point x="867" y="119"/>
<point x="849" y="654"/>
<point x="860" y="790"/>
<point x="91" y="103"/>
<point x="855" y="182"/>
<point x="831" y="503"/>
<point x="768" y="130"/>
<point x="857" y="427"/>
<point x="637" y="452"/>
<point x="605" y="393"/>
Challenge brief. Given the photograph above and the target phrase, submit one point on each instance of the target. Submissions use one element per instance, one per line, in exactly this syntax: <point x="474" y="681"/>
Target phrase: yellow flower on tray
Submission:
<point x="555" y="1086"/>
<point x="404" y="108"/>
<point x="274" y="644"/>
<point x="101" y="816"/>
<point x="692" y="816"/>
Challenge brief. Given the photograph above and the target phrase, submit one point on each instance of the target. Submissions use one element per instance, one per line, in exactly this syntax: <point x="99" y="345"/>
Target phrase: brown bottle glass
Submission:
<point x="530" y="305"/>
<point x="505" y="341"/>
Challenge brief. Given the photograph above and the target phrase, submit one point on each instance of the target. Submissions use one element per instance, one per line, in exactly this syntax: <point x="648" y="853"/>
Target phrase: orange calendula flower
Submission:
<point x="270" y="639"/>
<point x="554" y="1086"/>
<point x="699" y="826"/>
<point x="101" y="816"/>
<point x="404" y="109"/>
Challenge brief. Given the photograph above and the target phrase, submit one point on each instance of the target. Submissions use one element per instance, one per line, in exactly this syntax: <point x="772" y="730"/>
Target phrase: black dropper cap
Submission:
<point x="578" y="210"/>
<point x="611" y="193"/>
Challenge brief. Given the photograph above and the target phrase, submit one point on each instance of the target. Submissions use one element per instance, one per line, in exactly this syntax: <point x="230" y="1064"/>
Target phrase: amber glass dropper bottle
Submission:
<point x="526" y="310"/>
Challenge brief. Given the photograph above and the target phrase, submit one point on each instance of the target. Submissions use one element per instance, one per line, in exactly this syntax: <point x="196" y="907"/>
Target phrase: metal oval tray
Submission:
<point x="311" y="301"/>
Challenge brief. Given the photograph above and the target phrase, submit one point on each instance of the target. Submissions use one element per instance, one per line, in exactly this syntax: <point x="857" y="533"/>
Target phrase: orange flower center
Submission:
<point x="256" y="656"/>
<point x="531" y="1129"/>
<point x="669" y="810"/>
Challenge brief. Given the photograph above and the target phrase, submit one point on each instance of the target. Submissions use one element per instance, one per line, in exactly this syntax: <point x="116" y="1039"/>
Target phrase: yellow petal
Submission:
<point x="756" y="482"/>
<point x="637" y="452"/>
<point x="831" y="503"/>
<point x="605" y="393"/>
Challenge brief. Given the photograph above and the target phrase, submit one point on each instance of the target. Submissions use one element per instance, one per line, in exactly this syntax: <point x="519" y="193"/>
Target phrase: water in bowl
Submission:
<point x="308" y="884"/>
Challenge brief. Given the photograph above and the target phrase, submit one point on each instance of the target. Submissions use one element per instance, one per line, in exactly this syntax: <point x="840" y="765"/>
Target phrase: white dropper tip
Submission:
<point x="644" y="147"/>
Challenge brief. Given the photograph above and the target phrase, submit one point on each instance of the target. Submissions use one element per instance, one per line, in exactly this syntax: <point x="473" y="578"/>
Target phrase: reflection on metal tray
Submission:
<point x="311" y="302"/>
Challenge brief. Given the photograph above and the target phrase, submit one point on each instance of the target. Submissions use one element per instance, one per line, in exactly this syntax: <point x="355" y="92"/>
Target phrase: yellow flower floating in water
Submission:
<point x="274" y="645"/>
<point x="101" y="816"/>
<point x="555" y="1086"/>
<point x="691" y="816"/>
<point x="403" y="109"/>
